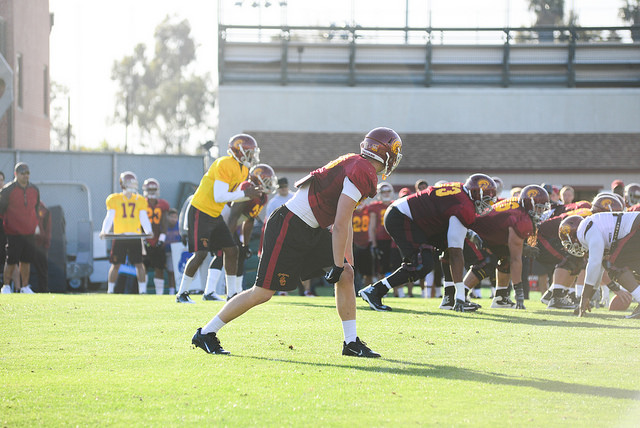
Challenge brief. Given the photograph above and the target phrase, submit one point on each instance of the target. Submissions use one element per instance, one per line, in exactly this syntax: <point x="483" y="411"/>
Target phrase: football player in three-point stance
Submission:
<point x="263" y="176"/>
<point x="503" y="232"/>
<point x="432" y="220"/>
<point x="157" y="210"/>
<point x="612" y="241"/>
<point x="208" y="231"/>
<point x="298" y="244"/>
<point x="127" y="213"/>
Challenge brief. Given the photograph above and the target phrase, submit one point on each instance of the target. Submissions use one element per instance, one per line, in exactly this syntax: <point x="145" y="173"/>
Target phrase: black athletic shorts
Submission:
<point x="20" y="248"/>
<point x="156" y="257"/>
<point x="208" y="233"/>
<point x="292" y="252"/>
<point x="363" y="260"/>
<point x="126" y="247"/>
<point x="405" y="233"/>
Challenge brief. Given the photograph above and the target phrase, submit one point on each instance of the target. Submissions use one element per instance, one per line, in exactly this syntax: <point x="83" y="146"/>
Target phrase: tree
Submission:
<point x="163" y="96"/>
<point x="549" y="13"/>
<point x="630" y="13"/>
<point x="61" y="136"/>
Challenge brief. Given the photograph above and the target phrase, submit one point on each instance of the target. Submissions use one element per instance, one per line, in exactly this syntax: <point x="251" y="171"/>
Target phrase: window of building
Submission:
<point x="46" y="90"/>
<point x="20" y="78"/>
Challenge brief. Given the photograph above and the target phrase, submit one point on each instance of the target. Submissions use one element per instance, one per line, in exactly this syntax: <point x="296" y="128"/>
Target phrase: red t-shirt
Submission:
<point x="326" y="185"/>
<point x="493" y="227"/>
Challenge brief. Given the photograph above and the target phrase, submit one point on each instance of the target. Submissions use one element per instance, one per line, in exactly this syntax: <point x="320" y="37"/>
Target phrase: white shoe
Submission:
<point x="6" y="289"/>
<point x="27" y="290"/>
<point x="502" y="302"/>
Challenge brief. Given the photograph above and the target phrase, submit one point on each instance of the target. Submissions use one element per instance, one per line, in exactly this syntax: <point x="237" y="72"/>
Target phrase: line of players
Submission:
<point x="440" y="224"/>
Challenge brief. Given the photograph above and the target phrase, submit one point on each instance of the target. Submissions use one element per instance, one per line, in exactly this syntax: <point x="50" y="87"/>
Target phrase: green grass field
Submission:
<point x="97" y="359"/>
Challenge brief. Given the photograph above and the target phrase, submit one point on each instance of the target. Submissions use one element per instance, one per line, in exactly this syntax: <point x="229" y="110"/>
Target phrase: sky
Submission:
<point x="89" y="35"/>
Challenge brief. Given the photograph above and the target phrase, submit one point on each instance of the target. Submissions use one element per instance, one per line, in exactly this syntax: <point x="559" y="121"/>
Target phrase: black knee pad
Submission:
<point x="216" y="263"/>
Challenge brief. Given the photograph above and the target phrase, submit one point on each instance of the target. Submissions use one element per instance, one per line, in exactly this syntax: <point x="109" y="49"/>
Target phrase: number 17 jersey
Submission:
<point x="127" y="219"/>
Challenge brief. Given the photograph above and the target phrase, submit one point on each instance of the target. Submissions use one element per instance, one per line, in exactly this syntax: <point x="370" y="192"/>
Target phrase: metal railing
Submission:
<point x="356" y="56"/>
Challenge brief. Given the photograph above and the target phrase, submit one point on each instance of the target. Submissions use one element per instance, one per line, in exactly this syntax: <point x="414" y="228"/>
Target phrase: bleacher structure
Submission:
<point x="426" y="57"/>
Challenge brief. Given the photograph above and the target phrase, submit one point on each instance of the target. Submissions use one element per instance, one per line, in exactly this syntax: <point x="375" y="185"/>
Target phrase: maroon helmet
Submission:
<point x="482" y="190"/>
<point x="568" y="233"/>
<point x="151" y="188"/>
<point x="606" y="202"/>
<point x="385" y="146"/>
<point x="244" y="149"/>
<point x="263" y="176"/>
<point x="632" y="194"/>
<point x="535" y="201"/>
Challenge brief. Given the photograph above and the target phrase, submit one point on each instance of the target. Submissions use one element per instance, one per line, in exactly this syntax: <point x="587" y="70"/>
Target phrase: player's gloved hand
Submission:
<point x="183" y="238"/>
<point x="252" y="192"/>
<point x="160" y="241"/>
<point x="459" y="306"/>
<point x="246" y="251"/>
<point x="333" y="275"/>
<point x="519" y="291"/>
<point x="160" y="244"/>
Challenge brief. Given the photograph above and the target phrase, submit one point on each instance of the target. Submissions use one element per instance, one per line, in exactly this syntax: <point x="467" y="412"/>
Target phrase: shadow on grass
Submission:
<point x="409" y="368"/>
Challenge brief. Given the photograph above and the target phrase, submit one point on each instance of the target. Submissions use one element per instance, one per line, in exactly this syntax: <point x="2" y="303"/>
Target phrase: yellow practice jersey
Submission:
<point x="127" y="219"/>
<point x="225" y="169"/>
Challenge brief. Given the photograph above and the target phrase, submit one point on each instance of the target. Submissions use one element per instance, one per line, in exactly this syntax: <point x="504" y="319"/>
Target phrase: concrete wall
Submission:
<point x="425" y="110"/>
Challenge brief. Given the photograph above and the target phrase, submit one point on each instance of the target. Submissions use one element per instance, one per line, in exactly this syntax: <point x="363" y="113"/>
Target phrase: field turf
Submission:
<point x="127" y="360"/>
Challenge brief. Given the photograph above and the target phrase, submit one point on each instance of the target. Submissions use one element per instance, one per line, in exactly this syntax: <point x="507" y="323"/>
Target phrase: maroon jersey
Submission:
<point x="635" y="207"/>
<point x="561" y="209"/>
<point x="253" y="207"/>
<point x="493" y="227"/>
<point x="379" y="208"/>
<point x="432" y="208"/>
<point x="326" y="185"/>
<point x="360" y="221"/>
<point x="156" y="209"/>
<point x="548" y="229"/>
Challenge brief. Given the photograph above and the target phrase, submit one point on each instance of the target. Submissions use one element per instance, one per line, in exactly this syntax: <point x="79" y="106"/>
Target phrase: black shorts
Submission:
<point x="404" y="232"/>
<point x="156" y="257"/>
<point x="363" y="260"/>
<point x="627" y="250"/>
<point x="126" y="247"/>
<point x="292" y="252"/>
<point x="208" y="233"/>
<point x="20" y="248"/>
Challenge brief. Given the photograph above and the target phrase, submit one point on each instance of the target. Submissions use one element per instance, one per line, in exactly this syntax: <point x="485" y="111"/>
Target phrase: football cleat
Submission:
<point x="358" y="348"/>
<point x="184" y="298"/>
<point x="463" y="306"/>
<point x="27" y="290"/>
<point x="563" y="302"/>
<point x="6" y="289"/>
<point x="209" y="343"/>
<point x="635" y="314"/>
<point x="546" y="297"/>
<point x="502" y="302"/>
<point x="448" y="302"/>
<point x="373" y="297"/>
<point x="212" y="296"/>
<point x="476" y="305"/>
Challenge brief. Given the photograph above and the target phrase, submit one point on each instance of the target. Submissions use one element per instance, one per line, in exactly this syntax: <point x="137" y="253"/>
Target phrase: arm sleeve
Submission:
<point x="221" y="192"/>
<point x="594" y="263"/>
<point x="350" y="189"/>
<point x="456" y="233"/>
<point x="144" y="222"/>
<point x="108" y="221"/>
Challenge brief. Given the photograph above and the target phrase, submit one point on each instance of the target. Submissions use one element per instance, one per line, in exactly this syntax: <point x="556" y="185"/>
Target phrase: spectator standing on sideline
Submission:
<point x="421" y="185"/>
<point x="127" y="213"/>
<point x="208" y="232"/>
<point x="43" y="242"/>
<point x="19" y="201"/>
<point x="298" y="244"/>
<point x="173" y="235"/>
<point x="280" y="198"/>
<point x="567" y="195"/>
<point x="157" y="209"/>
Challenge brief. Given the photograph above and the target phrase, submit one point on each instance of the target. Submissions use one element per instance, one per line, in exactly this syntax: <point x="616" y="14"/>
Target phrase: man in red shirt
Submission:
<point x="430" y="221"/>
<point x="298" y="244"/>
<point x="19" y="201"/>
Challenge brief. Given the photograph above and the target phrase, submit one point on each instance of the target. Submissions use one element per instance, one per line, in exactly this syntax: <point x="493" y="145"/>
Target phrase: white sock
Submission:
<point x="386" y="284"/>
<point x="636" y="294"/>
<point x="159" y="283"/>
<point x="110" y="287"/>
<point x="212" y="280"/>
<point x="459" y="291"/>
<point x="579" y="288"/>
<point x="239" y="288"/>
<point x="605" y="294"/>
<point x="185" y="283"/>
<point x="231" y="284"/>
<point x="401" y="292"/>
<point x="172" y="290"/>
<point x="213" y="326"/>
<point x="349" y="328"/>
<point x="142" y="287"/>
